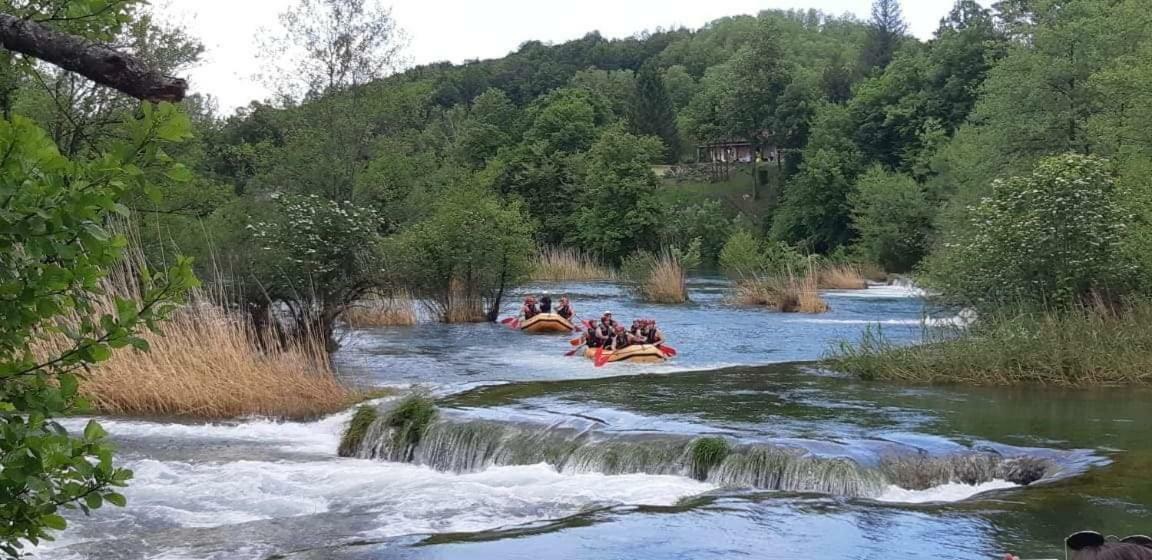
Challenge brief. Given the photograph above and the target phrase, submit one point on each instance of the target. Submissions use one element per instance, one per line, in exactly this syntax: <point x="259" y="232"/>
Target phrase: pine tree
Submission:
<point x="654" y="114"/>
<point x="885" y="31"/>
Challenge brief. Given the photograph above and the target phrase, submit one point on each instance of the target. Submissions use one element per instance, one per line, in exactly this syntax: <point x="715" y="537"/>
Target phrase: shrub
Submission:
<point x="837" y="276"/>
<point x="1054" y="237"/>
<point x="786" y="292"/>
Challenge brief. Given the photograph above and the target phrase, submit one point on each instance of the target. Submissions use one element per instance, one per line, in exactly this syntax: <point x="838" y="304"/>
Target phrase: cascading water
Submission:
<point x="475" y="445"/>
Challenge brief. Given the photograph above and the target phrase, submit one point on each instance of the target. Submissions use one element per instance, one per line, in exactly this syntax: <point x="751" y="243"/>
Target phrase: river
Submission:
<point x="539" y="456"/>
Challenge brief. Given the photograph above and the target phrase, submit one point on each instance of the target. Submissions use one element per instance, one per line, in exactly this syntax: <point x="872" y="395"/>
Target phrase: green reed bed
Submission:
<point x="1083" y="346"/>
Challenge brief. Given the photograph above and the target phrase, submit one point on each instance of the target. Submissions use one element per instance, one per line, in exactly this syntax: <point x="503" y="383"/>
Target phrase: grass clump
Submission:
<point x="357" y="428"/>
<point x="838" y="276"/>
<point x="660" y="277"/>
<point x="408" y="420"/>
<point x="785" y="292"/>
<point x="705" y="454"/>
<point x="396" y="310"/>
<point x="1090" y="344"/>
<point x="568" y="264"/>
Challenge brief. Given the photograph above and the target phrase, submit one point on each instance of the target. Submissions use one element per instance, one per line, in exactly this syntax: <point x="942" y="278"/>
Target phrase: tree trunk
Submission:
<point x="99" y="63"/>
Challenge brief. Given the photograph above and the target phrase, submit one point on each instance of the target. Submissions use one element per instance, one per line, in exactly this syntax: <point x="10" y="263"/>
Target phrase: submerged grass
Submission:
<point x="408" y="420"/>
<point x="1084" y="346"/>
<point x="568" y="264"/>
<point x="357" y="428"/>
<point x="707" y="453"/>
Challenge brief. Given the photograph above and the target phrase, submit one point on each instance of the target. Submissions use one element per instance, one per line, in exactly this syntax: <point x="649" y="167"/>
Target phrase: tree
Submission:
<point x="1054" y="237"/>
<point x="618" y="210"/>
<point x="331" y="45"/>
<point x="885" y="33"/>
<point x="55" y="250"/>
<point x="466" y="255"/>
<point x="653" y="113"/>
<point x="814" y="211"/>
<point x="681" y="86"/>
<point x="966" y="46"/>
<point x="892" y="218"/>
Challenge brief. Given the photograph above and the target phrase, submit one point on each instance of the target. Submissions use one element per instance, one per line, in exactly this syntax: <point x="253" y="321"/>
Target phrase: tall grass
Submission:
<point x="785" y="291"/>
<point x="841" y="276"/>
<point x="1084" y="346"/>
<point x="567" y="264"/>
<point x="658" y="277"/>
<point x="208" y="364"/>
<point x="398" y="309"/>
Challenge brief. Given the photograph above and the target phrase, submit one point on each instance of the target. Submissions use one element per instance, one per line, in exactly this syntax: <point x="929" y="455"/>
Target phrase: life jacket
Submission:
<point x="564" y="311"/>
<point x="545" y="304"/>
<point x="652" y="336"/>
<point x="530" y="311"/>
<point x="621" y="340"/>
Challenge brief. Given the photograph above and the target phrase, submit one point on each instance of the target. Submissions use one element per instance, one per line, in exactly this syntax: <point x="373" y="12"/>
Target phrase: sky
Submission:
<point x="459" y="30"/>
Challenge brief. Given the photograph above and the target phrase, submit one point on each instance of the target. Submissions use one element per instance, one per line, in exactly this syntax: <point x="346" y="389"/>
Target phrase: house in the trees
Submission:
<point x="735" y="150"/>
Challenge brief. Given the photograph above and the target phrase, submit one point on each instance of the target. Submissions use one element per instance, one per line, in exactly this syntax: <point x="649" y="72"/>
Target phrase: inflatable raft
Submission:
<point x="546" y="323"/>
<point x="640" y="353"/>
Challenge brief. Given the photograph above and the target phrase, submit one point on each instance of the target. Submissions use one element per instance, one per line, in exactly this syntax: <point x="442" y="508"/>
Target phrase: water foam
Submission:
<point x="951" y="492"/>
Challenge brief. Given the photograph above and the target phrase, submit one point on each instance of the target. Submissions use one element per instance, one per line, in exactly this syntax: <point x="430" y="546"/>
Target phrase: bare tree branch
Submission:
<point x="95" y="61"/>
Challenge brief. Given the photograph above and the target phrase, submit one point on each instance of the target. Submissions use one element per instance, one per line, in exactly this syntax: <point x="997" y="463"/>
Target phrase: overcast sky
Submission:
<point x="458" y="30"/>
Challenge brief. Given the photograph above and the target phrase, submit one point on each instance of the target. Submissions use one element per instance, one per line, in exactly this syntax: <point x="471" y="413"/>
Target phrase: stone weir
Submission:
<point x="411" y="431"/>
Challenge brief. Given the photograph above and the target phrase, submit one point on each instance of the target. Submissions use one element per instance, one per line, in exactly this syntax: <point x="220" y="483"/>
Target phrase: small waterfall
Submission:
<point x="472" y="446"/>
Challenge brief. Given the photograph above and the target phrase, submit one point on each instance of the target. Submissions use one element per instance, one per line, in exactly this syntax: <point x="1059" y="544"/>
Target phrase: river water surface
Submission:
<point x="539" y="456"/>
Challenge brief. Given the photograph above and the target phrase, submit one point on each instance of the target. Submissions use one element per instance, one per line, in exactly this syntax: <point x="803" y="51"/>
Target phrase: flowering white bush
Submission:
<point x="1053" y="237"/>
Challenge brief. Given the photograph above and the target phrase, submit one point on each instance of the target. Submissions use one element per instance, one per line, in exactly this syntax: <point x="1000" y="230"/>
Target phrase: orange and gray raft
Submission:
<point x="546" y="323"/>
<point x="637" y="353"/>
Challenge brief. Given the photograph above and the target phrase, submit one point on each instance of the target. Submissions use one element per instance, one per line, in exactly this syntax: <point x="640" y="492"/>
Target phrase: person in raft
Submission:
<point x="565" y="309"/>
<point x="529" y="309"/>
<point x="651" y="333"/>
<point x="620" y="339"/>
<point x="546" y="303"/>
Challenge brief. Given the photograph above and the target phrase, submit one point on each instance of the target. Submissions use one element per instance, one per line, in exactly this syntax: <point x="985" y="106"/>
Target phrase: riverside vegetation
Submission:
<point x="1005" y="162"/>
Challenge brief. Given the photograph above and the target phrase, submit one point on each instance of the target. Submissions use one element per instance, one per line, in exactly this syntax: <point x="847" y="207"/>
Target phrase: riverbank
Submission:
<point x="1084" y="346"/>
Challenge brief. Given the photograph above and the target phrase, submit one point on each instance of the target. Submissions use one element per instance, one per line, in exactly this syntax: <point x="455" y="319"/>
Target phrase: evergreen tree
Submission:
<point x="654" y="114"/>
<point x="885" y="31"/>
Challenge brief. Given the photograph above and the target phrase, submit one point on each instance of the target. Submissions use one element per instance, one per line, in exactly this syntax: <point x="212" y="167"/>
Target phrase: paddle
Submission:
<point x="511" y="322"/>
<point x="574" y="351"/>
<point x="667" y="350"/>
<point x="601" y="359"/>
<point x="578" y="341"/>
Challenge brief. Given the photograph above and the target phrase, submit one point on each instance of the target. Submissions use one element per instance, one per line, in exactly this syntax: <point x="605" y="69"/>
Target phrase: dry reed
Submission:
<point x="841" y="277"/>
<point x="664" y="282"/>
<point x="786" y="292"/>
<point x="568" y="264"/>
<point x="206" y="364"/>
<point x="396" y="310"/>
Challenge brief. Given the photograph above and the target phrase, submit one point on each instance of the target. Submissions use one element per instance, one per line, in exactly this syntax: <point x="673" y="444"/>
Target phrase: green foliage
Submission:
<point x="814" y="212"/>
<point x="408" y="420"/>
<point x="472" y="246"/>
<point x="892" y="217"/>
<point x="654" y="114"/>
<point x="704" y="223"/>
<point x="1054" y="237"/>
<point x="746" y="256"/>
<point x="618" y="208"/>
<point x="706" y="454"/>
<point x="357" y="428"/>
<point x="1085" y="345"/>
<point x="55" y="248"/>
